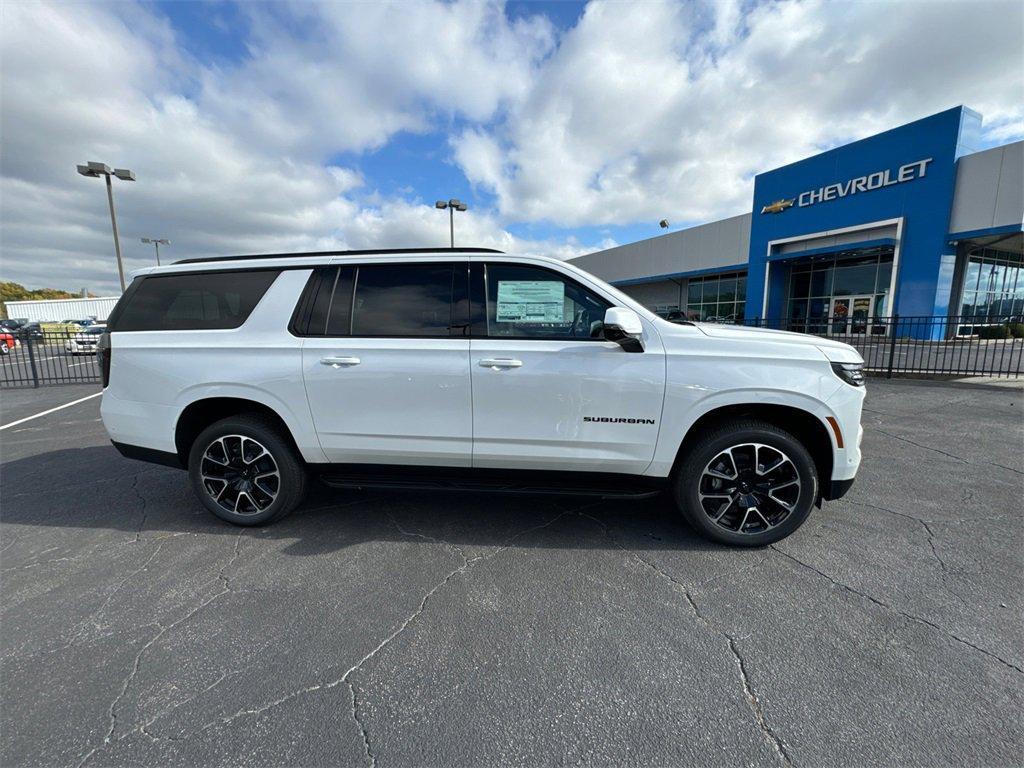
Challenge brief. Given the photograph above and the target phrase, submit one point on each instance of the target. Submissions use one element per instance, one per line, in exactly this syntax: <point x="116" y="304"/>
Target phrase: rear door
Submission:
<point x="386" y="362"/>
<point x="548" y="391"/>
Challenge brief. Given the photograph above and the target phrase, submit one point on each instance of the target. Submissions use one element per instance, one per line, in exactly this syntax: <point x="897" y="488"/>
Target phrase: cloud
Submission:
<point x="396" y="223"/>
<point x="661" y="109"/>
<point x="236" y="160"/>
<point x="334" y="77"/>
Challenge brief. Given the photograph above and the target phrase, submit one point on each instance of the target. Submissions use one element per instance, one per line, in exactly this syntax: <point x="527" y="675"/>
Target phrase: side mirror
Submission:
<point x="623" y="326"/>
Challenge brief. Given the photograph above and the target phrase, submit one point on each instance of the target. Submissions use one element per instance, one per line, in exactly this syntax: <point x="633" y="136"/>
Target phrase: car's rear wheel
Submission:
<point x="746" y="483"/>
<point x="245" y="471"/>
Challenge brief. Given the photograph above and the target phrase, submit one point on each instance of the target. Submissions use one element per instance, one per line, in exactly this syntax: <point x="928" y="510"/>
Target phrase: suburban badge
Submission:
<point x="617" y="420"/>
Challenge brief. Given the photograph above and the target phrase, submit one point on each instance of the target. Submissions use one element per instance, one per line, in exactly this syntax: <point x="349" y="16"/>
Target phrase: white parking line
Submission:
<point x="44" y="413"/>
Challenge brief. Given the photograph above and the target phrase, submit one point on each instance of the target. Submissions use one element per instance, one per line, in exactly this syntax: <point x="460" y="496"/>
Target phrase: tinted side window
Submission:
<point x="310" y="316"/>
<point x="402" y="300"/>
<point x="339" y="318"/>
<point x="326" y="303"/>
<point x="199" y="301"/>
<point x="538" y="303"/>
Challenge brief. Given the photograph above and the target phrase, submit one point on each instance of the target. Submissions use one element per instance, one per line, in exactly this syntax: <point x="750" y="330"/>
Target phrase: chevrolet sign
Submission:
<point x="867" y="183"/>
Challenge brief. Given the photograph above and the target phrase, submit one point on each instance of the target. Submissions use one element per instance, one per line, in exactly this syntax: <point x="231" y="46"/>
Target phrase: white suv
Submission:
<point x="470" y="369"/>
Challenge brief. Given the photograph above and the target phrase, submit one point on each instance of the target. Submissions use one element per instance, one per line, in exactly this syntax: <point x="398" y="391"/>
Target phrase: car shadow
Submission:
<point x="96" y="488"/>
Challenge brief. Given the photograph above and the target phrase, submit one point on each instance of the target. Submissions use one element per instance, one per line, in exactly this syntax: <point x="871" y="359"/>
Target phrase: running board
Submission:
<point x="514" y="482"/>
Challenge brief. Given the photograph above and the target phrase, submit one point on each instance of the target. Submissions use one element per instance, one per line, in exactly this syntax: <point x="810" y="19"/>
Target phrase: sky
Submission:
<point x="566" y="127"/>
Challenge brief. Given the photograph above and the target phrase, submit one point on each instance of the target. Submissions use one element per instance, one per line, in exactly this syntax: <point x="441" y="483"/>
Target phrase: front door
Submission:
<point x="549" y="393"/>
<point x="386" y="365"/>
<point x="851" y="314"/>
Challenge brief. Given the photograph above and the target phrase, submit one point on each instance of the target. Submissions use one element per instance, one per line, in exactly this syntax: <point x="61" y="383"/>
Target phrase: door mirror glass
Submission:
<point x="623" y="326"/>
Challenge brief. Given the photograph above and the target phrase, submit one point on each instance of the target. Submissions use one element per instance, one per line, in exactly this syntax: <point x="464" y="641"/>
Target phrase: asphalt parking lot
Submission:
<point x="397" y="629"/>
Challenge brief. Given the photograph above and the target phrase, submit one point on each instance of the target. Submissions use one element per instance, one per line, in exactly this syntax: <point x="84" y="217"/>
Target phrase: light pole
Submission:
<point x="157" y="243"/>
<point x="99" y="169"/>
<point x="452" y="205"/>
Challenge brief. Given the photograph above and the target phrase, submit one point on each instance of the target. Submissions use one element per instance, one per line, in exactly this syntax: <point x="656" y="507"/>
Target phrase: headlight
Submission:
<point x="851" y="373"/>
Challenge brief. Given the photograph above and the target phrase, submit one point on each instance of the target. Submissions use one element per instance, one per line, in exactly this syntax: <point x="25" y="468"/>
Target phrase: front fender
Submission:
<point x="686" y="404"/>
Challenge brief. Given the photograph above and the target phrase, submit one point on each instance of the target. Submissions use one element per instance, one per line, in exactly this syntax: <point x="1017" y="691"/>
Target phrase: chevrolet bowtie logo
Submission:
<point x="778" y="206"/>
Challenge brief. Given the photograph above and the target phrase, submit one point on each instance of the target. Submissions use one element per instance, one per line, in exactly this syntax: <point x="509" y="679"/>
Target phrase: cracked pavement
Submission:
<point x="394" y="629"/>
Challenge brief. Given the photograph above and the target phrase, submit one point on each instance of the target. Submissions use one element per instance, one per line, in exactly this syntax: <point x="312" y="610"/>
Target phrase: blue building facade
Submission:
<point x="914" y="221"/>
<point x="890" y="195"/>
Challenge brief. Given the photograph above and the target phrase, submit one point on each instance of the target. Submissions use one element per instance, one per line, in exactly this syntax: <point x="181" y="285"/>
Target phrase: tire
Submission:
<point x="258" y="487"/>
<point x="765" y="495"/>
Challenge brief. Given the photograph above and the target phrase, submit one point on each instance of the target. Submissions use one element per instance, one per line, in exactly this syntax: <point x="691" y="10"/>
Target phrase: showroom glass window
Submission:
<point x="993" y="284"/>
<point x="815" y="285"/>
<point x="537" y="303"/>
<point x="717" y="298"/>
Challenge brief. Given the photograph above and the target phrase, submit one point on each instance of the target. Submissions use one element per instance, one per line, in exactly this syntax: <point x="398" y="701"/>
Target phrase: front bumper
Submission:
<point x="846" y="404"/>
<point x="837" y="489"/>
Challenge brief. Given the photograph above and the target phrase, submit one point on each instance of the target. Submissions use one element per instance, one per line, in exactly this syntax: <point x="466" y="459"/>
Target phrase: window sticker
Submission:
<point x="530" y="301"/>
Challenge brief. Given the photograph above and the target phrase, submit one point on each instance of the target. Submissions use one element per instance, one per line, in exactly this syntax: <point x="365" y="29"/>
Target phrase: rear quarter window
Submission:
<point x="189" y="302"/>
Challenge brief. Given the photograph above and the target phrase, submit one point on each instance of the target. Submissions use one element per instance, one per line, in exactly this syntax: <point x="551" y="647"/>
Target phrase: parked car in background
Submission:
<point x="32" y="331"/>
<point x="84" y="342"/>
<point x="65" y="326"/>
<point x="467" y="369"/>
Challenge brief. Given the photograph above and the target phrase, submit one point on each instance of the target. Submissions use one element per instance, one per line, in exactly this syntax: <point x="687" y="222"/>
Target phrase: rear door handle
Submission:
<point x="501" y="362"/>
<point x="337" y="362"/>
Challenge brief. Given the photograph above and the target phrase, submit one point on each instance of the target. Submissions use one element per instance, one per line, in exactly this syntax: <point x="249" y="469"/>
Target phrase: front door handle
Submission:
<point x="337" y="362"/>
<point x="501" y="362"/>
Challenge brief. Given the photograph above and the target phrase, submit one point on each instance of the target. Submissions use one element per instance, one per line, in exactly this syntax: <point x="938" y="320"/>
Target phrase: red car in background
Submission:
<point x="7" y="343"/>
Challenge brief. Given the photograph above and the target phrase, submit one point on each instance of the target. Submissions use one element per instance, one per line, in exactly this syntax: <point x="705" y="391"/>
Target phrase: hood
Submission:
<point x="836" y="351"/>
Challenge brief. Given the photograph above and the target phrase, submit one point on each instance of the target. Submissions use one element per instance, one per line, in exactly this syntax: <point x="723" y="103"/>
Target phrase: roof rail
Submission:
<point x="370" y="252"/>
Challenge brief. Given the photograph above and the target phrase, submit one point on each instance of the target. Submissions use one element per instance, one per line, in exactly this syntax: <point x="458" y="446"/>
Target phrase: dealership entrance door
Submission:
<point x="845" y="292"/>
<point x="851" y="314"/>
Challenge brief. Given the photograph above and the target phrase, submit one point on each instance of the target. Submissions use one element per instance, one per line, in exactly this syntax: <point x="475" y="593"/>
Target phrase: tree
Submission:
<point x="17" y="292"/>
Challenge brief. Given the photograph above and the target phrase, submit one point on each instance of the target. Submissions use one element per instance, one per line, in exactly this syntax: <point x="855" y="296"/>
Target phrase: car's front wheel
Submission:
<point x="245" y="471"/>
<point x="746" y="483"/>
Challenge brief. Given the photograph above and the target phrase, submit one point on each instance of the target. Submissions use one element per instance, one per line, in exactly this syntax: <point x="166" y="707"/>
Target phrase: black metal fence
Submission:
<point x="954" y="345"/>
<point x="64" y="355"/>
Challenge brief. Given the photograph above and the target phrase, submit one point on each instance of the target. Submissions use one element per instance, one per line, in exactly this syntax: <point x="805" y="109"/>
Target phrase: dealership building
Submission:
<point x="914" y="221"/>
